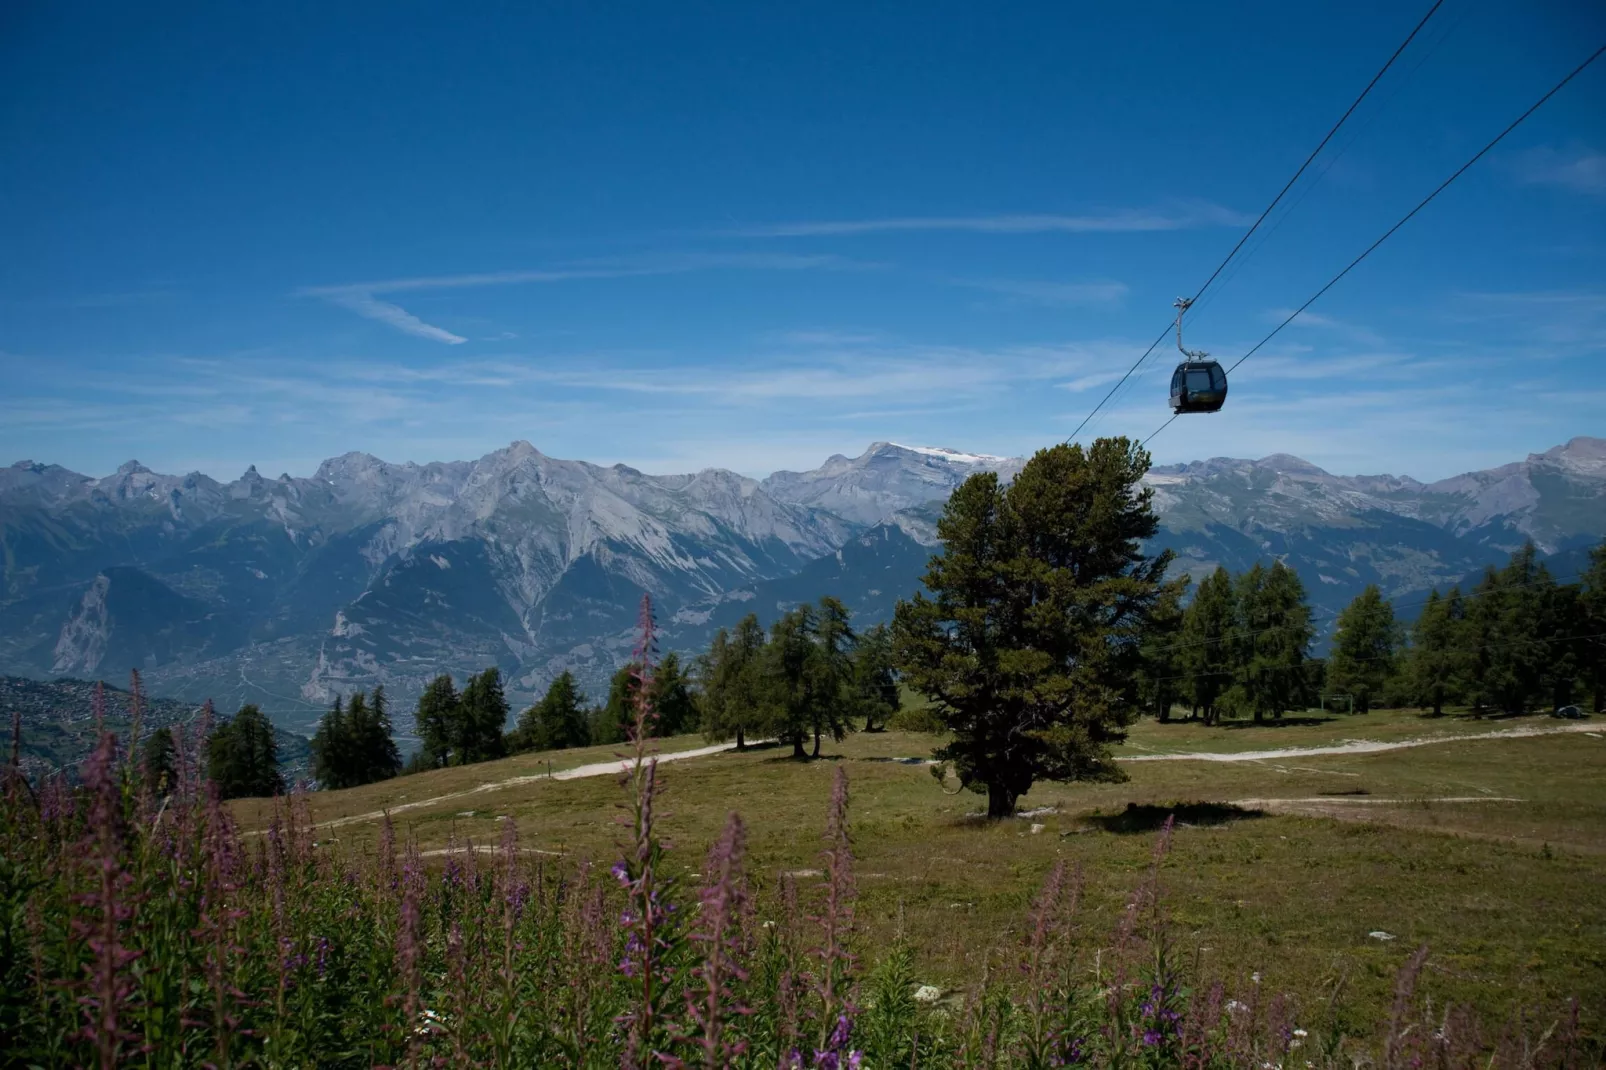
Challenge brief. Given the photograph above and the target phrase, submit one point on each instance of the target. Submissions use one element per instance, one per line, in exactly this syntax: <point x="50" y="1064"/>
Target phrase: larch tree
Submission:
<point x="1505" y="630"/>
<point x="832" y="670"/>
<point x="1028" y="647"/>
<point x="875" y="678"/>
<point x="159" y="761"/>
<point x="436" y="720"/>
<point x="557" y="722"/>
<point x="673" y="703"/>
<point x="1435" y="671"/>
<point x="1206" y="652"/>
<point x="1162" y="650"/>
<point x="789" y="677"/>
<point x="732" y="694"/>
<point x="1364" y="647"/>
<point x="1273" y="639"/>
<point x="242" y="756"/>
<point x="482" y="718"/>
<point x="1592" y="602"/>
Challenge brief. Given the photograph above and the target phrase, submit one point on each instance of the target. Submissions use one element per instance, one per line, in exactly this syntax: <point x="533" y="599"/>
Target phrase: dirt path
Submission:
<point x="614" y="767"/>
<point x="618" y="765"/>
<point x="1355" y="746"/>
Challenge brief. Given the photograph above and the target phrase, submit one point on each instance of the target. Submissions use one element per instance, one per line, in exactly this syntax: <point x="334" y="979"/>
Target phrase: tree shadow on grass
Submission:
<point x="805" y="760"/>
<point x="1281" y="722"/>
<point x="1148" y="817"/>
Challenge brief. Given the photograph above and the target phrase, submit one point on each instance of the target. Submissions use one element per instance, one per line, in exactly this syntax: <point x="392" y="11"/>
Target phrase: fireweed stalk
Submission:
<point x="648" y="918"/>
<point x="836" y="924"/>
<point x="711" y="1008"/>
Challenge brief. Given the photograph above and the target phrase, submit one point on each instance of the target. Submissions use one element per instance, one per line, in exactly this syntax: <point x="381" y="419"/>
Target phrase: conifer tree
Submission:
<point x="557" y="722"/>
<point x="1363" y="656"/>
<point x="1209" y="632"/>
<point x="674" y="706"/>
<point x="790" y="676"/>
<point x="436" y="721"/>
<point x="157" y="761"/>
<point x="242" y="756"/>
<point x="832" y="697"/>
<point x="1508" y="637"/>
<point x="732" y="693"/>
<point x="353" y="743"/>
<point x="1592" y="626"/>
<point x="1162" y="650"/>
<point x="875" y="679"/>
<point x="1028" y="647"/>
<point x="619" y="713"/>
<point x="1273" y="640"/>
<point x="330" y="747"/>
<point x="377" y="742"/>
<point x="482" y="719"/>
<point x="1435" y="665"/>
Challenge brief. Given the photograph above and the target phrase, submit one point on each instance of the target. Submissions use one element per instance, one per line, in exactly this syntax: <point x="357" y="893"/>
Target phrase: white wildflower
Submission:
<point x="927" y="994"/>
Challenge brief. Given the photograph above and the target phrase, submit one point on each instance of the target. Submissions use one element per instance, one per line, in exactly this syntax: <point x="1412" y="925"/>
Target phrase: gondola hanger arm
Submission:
<point x="1182" y="304"/>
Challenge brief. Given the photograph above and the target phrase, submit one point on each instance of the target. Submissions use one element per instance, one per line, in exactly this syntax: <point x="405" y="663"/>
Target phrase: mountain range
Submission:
<point x="287" y="591"/>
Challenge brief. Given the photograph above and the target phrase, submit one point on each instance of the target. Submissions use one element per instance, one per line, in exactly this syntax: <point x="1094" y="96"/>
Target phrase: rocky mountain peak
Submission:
<point x="1584" y="455"/>
<point x="1288" y="464"/>
<point x="885" y="478"/>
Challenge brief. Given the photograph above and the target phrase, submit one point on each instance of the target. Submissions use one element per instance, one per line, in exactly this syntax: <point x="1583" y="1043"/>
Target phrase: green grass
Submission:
<point x="1507" y="894"/>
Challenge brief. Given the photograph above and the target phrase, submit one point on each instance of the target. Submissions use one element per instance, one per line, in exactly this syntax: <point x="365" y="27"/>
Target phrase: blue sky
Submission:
<point x="740" y="235"/>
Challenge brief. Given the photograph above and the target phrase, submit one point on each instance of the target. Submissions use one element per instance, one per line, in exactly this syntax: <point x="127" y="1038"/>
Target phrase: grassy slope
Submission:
<point x="1508" y="894"/>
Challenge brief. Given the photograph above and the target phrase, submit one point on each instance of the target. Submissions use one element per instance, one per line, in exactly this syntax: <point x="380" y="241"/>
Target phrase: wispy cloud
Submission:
<point x="1574" y="168"/>
<point x="1118" y="220"/>
<point x="1052" y="294"/>
<point x="363" y="297"/>
<point x="366" y="304"/>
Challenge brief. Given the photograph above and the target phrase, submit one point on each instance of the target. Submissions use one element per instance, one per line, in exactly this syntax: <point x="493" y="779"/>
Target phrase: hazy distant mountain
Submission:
<point x="287" y="591"/>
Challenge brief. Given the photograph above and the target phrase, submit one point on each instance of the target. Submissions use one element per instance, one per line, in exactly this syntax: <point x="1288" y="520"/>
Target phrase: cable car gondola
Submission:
<point x="1198" y="384"/>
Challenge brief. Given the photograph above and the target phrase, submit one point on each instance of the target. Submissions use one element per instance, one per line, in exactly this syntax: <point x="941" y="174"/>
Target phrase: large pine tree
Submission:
<point x="1028" y="647"/>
